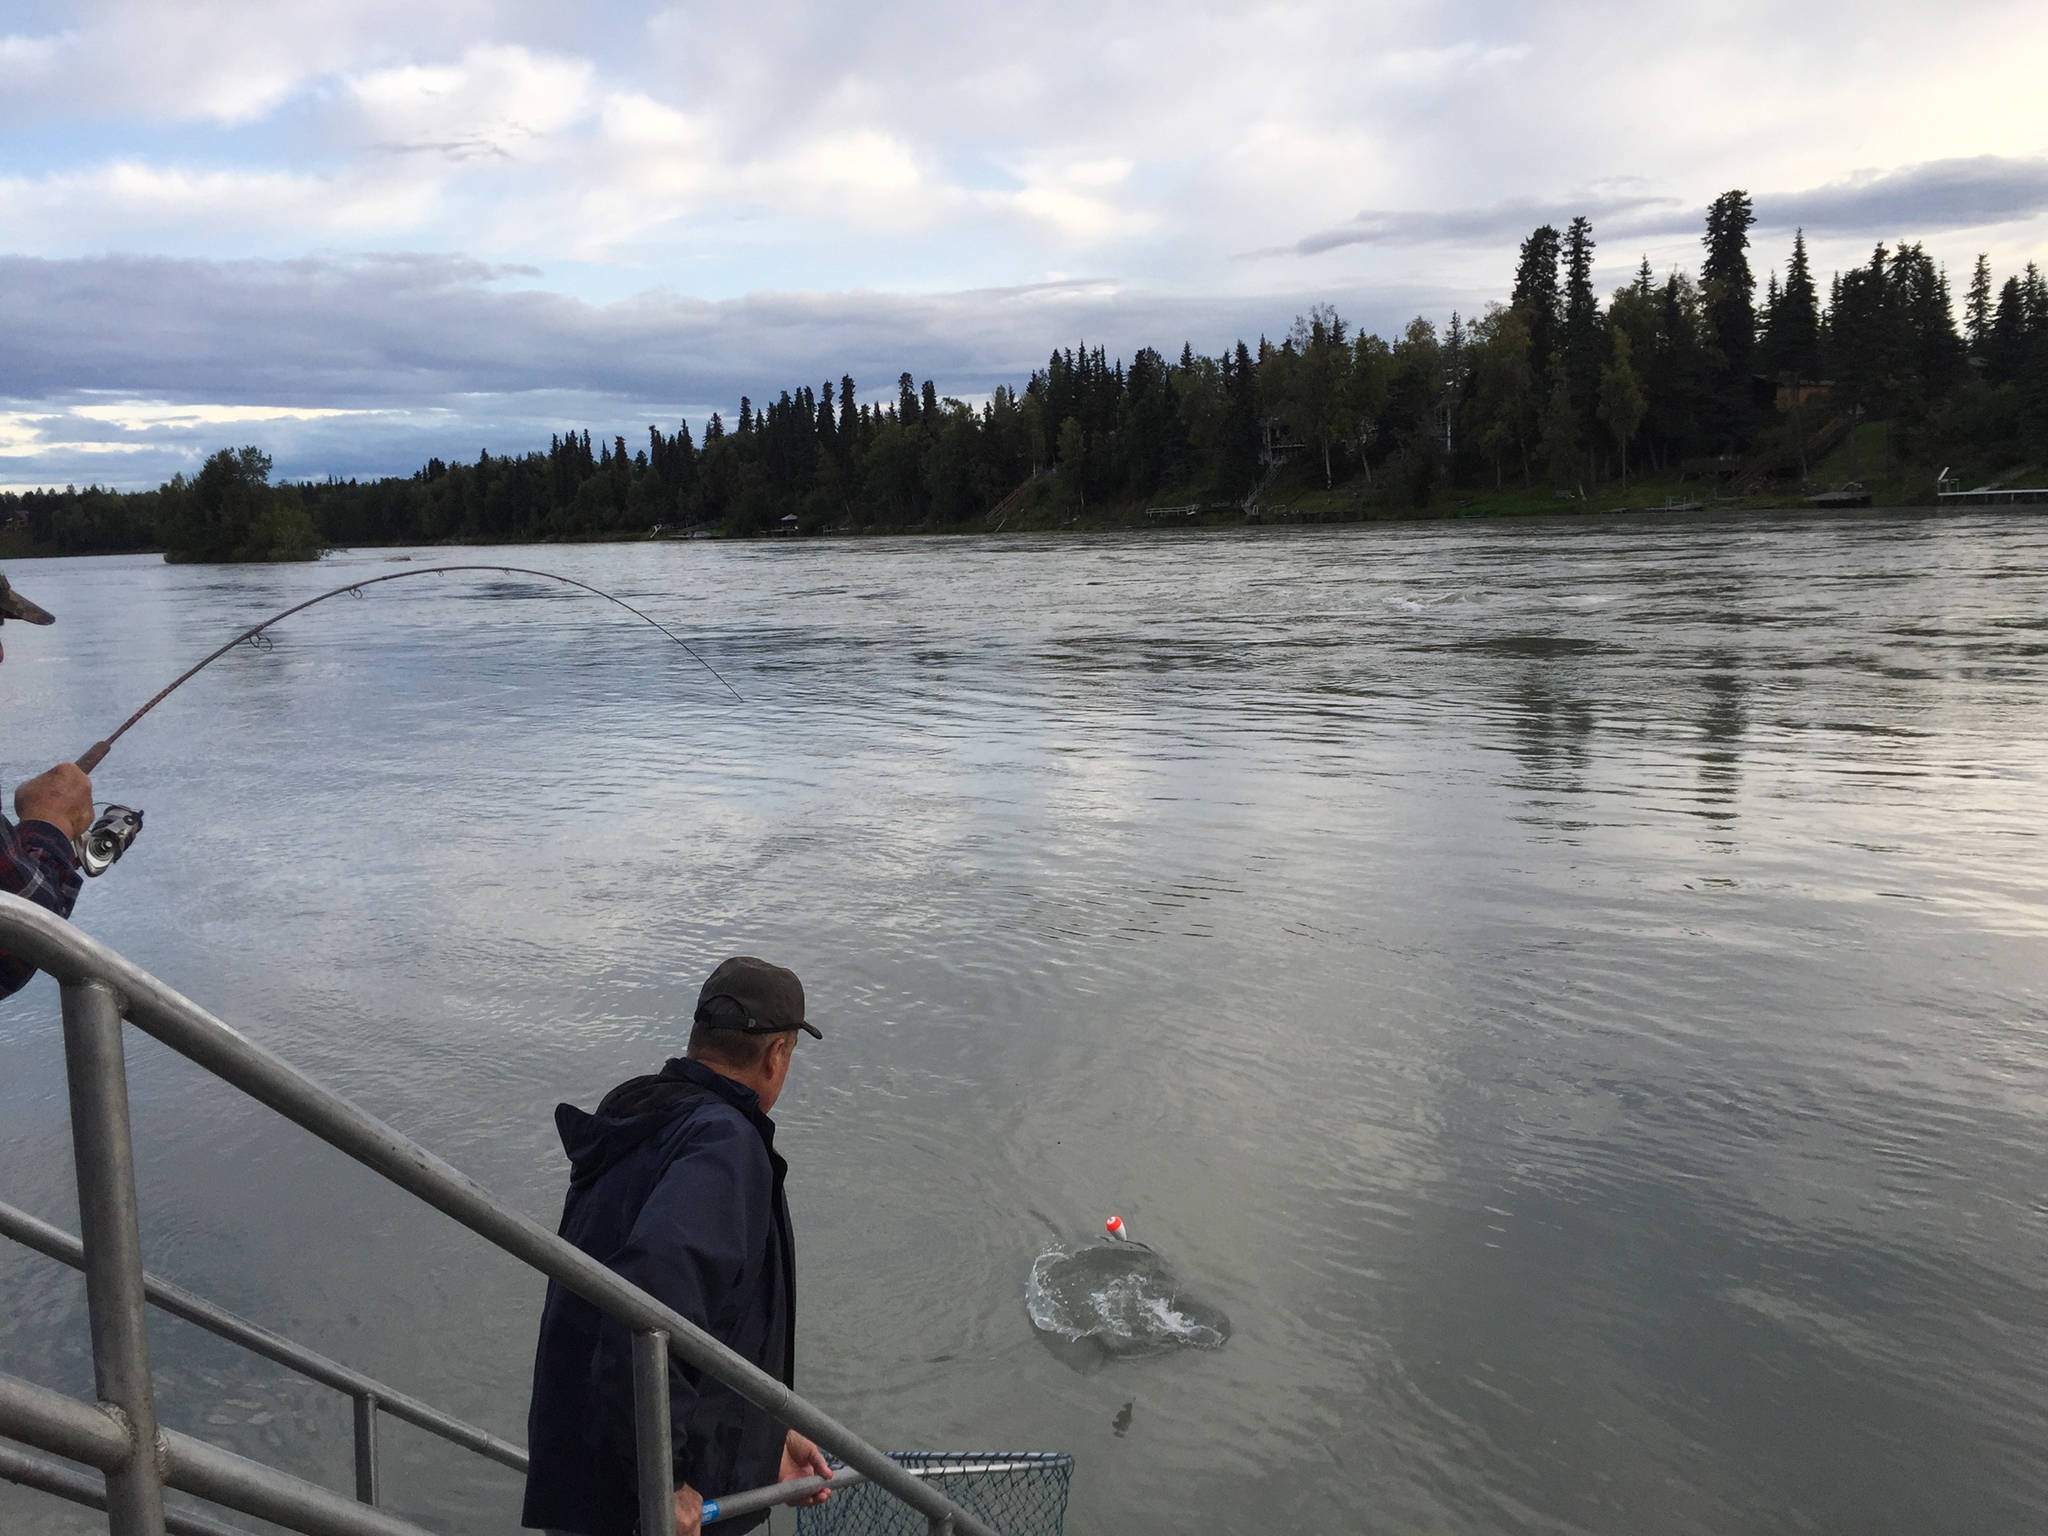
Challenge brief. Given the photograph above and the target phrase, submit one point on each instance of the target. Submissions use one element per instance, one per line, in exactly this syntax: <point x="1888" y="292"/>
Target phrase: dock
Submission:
<point x="2014" y="496"/>
<point x="1949" y="493"/>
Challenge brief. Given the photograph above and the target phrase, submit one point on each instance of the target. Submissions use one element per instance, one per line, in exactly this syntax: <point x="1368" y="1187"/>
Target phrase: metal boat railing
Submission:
<point x="119" y="1435"/>
<point x="368" y="1395"/>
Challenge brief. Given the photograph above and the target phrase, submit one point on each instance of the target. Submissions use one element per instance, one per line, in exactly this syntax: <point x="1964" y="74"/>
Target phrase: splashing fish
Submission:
<point x="1120" y="1295"/>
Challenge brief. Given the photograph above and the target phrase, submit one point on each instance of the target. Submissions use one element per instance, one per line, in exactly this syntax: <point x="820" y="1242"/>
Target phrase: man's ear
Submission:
<point x="784" y="1046"/>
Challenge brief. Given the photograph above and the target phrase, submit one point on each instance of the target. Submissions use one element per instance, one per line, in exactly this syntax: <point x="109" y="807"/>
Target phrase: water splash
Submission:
<point x="1122" y="1296"/>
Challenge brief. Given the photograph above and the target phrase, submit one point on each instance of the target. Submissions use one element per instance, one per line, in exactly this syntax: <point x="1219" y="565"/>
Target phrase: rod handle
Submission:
<point x="95" y="755"/>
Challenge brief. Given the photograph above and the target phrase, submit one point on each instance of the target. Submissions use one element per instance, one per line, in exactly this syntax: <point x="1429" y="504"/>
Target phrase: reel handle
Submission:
<point x="108" y="838"/>
<point x="95" y="755"/>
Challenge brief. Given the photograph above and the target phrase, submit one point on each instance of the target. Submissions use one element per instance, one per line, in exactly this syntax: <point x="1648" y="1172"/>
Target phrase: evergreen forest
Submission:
<point x="1690" y="378"/>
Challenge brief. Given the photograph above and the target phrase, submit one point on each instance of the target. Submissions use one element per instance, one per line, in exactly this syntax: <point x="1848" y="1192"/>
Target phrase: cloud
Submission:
<point x="1078" y="201"/>
<point x="147" y="415"/>
<point x="1913" y="200"/>
<point x="901" y="143"/>
<point x="226" y="62"/>
<point x="1432" y="68"/>
<point x="397" y="331"/>
<point x="365" y="366"/>
<point x="512" y="150"/>
<point x="1968" y="193"/>
<point x="1500" y="224"/>
<point x="893" y="120"/>
<point x="496" y="101"/>
<point x="27" y="59"/>
<point x="134" y="443"/>
<point x="169" y="201"/>
<point x="789" y="190"/>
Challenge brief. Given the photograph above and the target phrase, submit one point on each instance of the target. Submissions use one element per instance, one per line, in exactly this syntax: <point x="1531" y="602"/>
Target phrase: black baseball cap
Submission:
<point x="14" y="606"/>
<point x="754" y="998"/>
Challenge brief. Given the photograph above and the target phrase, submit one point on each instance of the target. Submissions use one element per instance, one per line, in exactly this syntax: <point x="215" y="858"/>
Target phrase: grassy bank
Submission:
<point x="1865" y="458"/>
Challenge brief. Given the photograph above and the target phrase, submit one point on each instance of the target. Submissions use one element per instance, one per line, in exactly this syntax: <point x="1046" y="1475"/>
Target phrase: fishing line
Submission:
<point x="110" y="836"/>
<point x="97" y="752"/>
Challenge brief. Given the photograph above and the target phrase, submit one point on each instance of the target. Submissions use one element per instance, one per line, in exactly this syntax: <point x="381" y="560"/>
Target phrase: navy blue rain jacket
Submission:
<point x="675" y="1184"/>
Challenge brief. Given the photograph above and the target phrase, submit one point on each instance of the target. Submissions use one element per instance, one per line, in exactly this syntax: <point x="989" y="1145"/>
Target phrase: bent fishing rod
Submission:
<point x="110" y="836"/>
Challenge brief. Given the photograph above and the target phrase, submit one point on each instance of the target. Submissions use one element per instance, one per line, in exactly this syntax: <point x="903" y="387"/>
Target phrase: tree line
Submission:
<point x="1554" y="387"/>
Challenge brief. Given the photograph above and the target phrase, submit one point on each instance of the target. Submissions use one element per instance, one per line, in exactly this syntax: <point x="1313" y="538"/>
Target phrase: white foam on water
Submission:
<point x="1123" y="1296"/>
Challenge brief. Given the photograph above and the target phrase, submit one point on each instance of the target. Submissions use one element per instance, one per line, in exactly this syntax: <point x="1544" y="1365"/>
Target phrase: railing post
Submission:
<point x="652" y="1443"/>
<point x="366" y="1447"/>
<point x="104" y="1153"/>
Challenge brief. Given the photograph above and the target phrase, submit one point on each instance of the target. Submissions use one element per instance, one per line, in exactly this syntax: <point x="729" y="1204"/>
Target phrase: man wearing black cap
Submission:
<point x="39" y="858"/>
<point x="675" y="1183"/>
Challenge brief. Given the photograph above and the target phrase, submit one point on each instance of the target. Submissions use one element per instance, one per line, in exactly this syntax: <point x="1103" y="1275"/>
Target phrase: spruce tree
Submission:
<point x="2005" y="344"/>
<point x="1146" y="438"/>
<point x="1583" y="341"/>
<point x="681" y="474"/>
<point x="1863" y="336"/>
<point x="828" y="425"/>
<point x="1536" y="297"/>
<point x="1237" y="468"/>
<point x="1730" y="286"/>
<point x="1457" y="375"/>
<point x="1678" y="372"/>
<point x="1977" y="307"/>
<point x="1767" y="327"/>
<point x="1730" y="294"/>
<point x="1795" y="322"/>
<point x="1929" y="350"/>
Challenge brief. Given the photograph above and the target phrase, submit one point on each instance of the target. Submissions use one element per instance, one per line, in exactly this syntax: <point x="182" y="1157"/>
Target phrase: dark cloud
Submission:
<point x="1915" y="200"/>
<point x="1918" y="199"/>
<point x="392" y="331"/>
<point x="448" y="355"/>
<point x="1502" y="222"/>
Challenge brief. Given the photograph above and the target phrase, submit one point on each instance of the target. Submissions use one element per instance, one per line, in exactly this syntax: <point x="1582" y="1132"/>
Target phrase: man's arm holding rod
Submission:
<point x="38" y="859"/>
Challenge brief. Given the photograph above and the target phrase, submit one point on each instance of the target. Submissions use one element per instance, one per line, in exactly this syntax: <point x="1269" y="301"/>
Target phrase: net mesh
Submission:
<point x="1019" y="1493"/>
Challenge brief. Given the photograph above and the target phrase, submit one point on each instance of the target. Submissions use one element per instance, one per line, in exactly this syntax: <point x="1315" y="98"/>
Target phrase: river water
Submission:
<point x="1571" y="993"/>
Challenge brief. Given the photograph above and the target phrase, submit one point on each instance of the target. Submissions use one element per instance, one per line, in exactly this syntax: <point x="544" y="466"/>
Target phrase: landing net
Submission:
<point x="1020" y="1493"/>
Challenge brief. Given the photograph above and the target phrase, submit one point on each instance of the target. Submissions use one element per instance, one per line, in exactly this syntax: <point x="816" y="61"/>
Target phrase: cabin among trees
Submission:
<point x="1555" y="388"/>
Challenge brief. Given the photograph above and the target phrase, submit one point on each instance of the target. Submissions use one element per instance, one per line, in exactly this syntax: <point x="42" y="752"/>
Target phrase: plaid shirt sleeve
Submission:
<point x="38" y="862"/>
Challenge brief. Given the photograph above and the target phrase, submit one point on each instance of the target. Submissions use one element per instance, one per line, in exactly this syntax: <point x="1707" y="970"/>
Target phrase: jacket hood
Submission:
<point x="639" y="1109"/>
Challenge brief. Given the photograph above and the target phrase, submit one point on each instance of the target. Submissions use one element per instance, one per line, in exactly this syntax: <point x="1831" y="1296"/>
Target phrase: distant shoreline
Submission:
<point x="1518" y="507"/>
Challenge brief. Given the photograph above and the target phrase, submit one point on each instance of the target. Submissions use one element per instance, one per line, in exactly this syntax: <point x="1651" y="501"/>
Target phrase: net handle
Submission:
<point x="737" y="1504"/>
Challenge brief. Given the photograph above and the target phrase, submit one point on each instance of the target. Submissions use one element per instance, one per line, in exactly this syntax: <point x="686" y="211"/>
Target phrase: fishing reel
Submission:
<point x="108" y="838"/>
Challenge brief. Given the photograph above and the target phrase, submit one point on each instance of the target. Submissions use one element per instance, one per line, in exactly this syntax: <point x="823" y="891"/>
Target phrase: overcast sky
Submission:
<point x="359" y="232"/>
